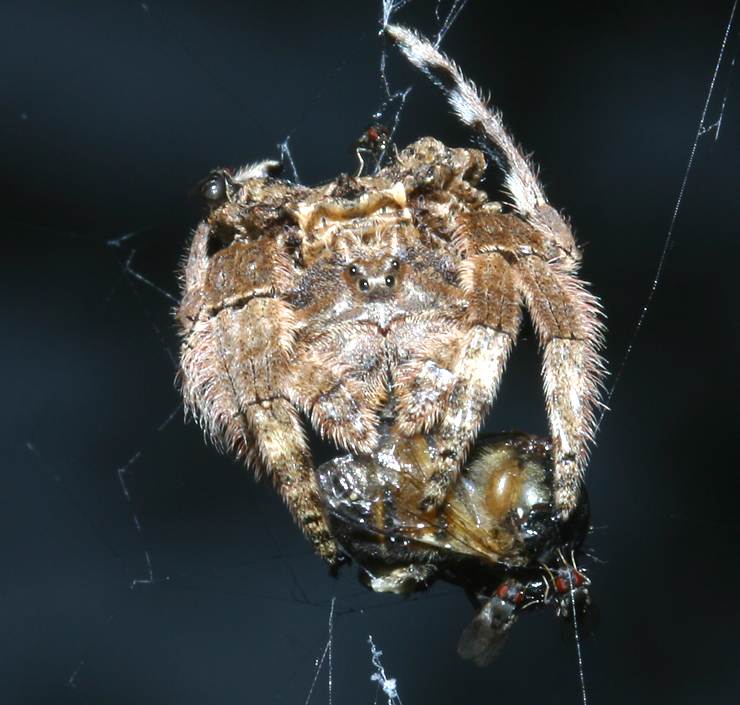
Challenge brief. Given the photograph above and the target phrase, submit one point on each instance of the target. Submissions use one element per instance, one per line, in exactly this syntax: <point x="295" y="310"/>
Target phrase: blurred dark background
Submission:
<point x="110" y="113"/>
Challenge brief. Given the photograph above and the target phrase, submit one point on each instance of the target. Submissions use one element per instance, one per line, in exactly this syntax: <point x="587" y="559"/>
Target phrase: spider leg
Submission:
<point x="520" y="176"/>
<point x="341" y="397"/>
<point x="492" y="323"/>
<point x="263" y="169"/>
<point x="233" y="364"/>
<point x="569" y="326"/>
<point x="567" y="317"/>
<point x="423" y="380"/>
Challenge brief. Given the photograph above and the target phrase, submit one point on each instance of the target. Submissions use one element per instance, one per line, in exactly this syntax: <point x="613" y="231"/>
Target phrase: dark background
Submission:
<point x="110" y="113"/>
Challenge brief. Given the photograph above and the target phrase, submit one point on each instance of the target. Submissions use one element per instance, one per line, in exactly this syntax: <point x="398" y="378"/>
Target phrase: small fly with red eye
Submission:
<point x="565" y="588"/>
<point x="374" y="141"/>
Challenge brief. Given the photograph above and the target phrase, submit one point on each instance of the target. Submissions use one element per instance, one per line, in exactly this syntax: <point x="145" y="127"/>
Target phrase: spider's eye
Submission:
<point x="364" y="285"/>
<point x="352" y="269"/>
<point x="395" y="264"/>
<point x="214" y="188"/>
<point x="390" y="281"/>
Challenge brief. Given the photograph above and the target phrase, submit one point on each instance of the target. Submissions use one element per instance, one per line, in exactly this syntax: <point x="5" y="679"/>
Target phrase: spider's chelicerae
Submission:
<point x="394" y="296"/>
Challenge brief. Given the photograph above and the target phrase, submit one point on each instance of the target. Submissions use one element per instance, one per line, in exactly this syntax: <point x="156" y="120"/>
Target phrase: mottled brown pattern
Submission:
<point x="394" y="296"/>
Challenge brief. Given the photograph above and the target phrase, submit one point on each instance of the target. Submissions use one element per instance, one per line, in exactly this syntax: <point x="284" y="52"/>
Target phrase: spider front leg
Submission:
<point x="237" y="338"/>
<point x="566" y="316"/>
<point x="567" y="319"/>
<point x="491" y="324"/>
<point x="339" y="383"/>
<point x="232" y="367"/>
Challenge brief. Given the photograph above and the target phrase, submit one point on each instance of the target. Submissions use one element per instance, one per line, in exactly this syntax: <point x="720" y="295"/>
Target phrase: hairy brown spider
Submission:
<point x="399" y="292"/>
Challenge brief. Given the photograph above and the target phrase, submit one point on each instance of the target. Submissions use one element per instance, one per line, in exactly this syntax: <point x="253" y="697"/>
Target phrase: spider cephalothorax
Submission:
<point x="397" y="294"/>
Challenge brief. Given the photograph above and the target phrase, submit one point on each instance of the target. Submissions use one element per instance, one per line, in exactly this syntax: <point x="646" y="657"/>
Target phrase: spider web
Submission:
<point x="155" y="576"/>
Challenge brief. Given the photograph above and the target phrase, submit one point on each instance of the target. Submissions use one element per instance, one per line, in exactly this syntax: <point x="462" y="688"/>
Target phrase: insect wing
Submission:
<point x="483" y="639"/>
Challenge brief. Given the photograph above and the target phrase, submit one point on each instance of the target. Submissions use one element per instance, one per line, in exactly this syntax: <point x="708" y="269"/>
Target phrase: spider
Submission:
<point x="389" y="296"/>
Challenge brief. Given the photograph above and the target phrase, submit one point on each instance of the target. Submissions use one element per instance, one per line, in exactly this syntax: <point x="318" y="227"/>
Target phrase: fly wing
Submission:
<point x="483" y="639"/>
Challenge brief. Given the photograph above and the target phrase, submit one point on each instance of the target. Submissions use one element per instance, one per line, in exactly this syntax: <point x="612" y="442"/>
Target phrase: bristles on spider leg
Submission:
<point x="258" y="170"/>
<point x="471" y="107"/>
<point x="569" y="324"/>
